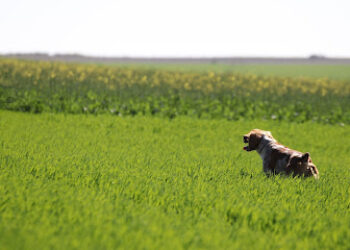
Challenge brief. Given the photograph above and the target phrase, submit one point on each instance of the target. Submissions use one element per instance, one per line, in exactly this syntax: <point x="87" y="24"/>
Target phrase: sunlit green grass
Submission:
<point x="107" y="182"/>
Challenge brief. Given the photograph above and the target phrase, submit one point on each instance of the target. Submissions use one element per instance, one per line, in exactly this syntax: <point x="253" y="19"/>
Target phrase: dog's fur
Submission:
<point x="278" y="158"/>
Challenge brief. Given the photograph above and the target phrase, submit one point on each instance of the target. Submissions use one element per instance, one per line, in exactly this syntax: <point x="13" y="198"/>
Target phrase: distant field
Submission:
<point x="334" y="68"/>
<point x="337" y="72"/>
<point x="107" y="182"/>
<point x="169" y="92"/>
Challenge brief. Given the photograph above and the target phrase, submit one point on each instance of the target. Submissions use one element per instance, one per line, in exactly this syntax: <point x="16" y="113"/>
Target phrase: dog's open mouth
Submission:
<point x="246" y="140"/>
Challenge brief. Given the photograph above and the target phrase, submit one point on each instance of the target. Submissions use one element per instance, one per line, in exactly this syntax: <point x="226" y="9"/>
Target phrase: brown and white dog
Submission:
<point x="278" y="158"/>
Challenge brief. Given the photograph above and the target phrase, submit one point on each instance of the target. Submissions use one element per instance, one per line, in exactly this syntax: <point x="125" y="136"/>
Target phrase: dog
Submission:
<point x="278" y="159"/>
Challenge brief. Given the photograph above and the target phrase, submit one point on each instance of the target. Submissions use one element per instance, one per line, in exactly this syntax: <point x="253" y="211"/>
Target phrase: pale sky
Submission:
<point x="160" y="28"/>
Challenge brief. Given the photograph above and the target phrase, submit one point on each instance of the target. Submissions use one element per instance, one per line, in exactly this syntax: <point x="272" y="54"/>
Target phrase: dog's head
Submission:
<point x="302" y="165"/>
<point x="254" y="137"/>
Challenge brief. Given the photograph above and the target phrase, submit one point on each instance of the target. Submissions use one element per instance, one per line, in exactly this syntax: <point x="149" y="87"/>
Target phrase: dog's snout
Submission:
<point x="245" y="139"/>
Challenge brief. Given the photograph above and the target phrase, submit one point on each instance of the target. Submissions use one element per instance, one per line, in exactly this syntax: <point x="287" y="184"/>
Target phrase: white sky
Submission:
<point x="177" y="28"/>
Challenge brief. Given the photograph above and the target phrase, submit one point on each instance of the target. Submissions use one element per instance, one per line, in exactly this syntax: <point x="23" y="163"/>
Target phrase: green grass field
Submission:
<point x="150" y="157"/>
<point x="336" y="72"/>
<point x="107" y="182"/>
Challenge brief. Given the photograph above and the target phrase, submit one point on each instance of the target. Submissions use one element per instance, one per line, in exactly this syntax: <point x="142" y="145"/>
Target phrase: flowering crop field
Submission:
<point x="78" y="88"/>
<point x="111" y="157"/>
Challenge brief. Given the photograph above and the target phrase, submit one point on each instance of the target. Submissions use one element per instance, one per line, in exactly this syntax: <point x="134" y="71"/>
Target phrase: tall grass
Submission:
<point x="86" y="182"/>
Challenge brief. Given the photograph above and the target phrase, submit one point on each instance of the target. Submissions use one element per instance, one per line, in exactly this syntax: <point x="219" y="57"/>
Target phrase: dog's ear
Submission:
<point x="305" y="157"/>
<point x="254" y="140"/>
<point x="293" y="162"/>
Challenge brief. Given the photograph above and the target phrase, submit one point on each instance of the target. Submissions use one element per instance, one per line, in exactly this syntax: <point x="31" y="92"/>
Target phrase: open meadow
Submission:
<point x="331" y="71"/>
<point x="106" y="157"/>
